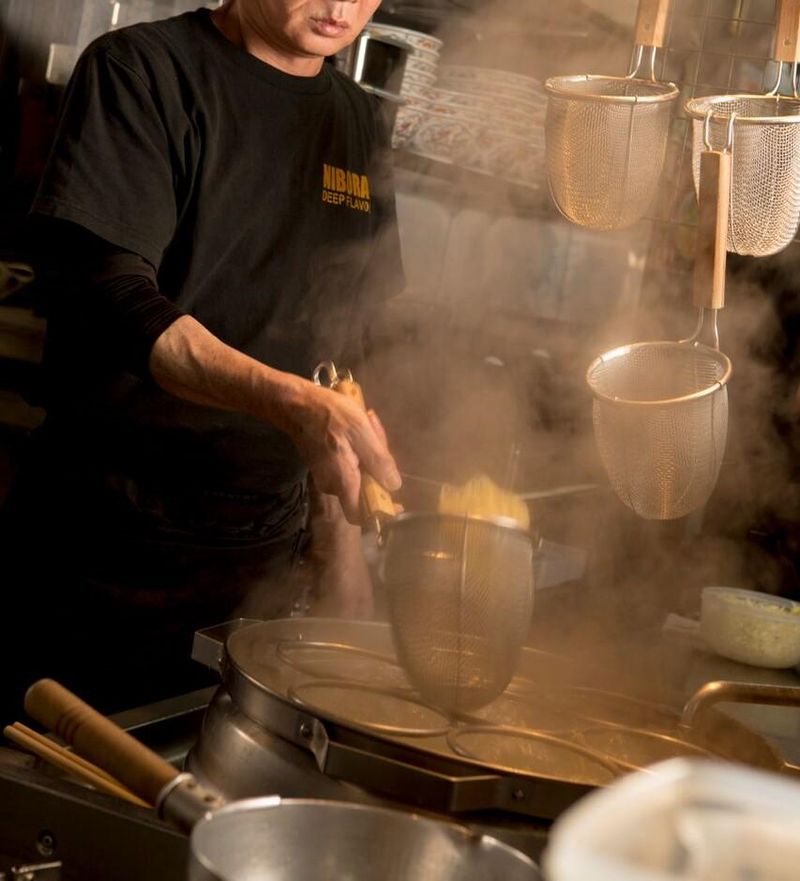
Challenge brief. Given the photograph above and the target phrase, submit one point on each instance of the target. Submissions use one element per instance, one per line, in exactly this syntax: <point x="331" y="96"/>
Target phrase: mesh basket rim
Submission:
<point x="507" y="525"/>
<point x="697" y="108"/>
<point x="565" y="87"/>
<point x="623" y="351"/>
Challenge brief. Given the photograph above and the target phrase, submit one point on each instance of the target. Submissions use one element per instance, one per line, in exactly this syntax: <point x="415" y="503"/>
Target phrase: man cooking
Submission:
<point x="218" y="217"/>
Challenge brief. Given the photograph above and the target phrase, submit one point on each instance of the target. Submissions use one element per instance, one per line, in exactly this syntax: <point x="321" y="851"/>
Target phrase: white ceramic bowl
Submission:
<point x="411" y="93"/>
<point x="468" y="74"/>
<point x="491" y="90"/>
<point x="446" y="137"/>
<point x="405" y="125"/>
<point x="425" y="56"/>
<point x="751" y="627"/>
<point x="457" y="136"/>
<point x="426" y="100"/>
<point x="419" y="66"/>
<point x="513" y="119"/>
<point x="506" y="155"/>
<point x="415" y="39"/>
<point x="416" y="78"/>
<point x="410" y="90"/>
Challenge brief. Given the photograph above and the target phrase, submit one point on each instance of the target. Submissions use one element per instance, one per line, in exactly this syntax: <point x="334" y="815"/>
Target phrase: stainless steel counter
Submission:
<point x="670" y="668"/>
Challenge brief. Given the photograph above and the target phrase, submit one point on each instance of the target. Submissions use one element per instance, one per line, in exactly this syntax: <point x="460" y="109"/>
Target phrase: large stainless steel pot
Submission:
<point x="279" y="839"/>
<point x="321" y="708"/>
<point x="336" y="692"/>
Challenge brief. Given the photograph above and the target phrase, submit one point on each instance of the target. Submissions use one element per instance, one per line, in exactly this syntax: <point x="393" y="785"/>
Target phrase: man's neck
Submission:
<point x="232" y="25"/>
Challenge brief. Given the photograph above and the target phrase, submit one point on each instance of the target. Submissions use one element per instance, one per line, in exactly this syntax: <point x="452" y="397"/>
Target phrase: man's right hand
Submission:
<point x="338" y="439"/>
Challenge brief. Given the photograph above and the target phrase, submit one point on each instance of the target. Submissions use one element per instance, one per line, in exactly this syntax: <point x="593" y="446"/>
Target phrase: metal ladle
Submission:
<point x="661" y="408"/>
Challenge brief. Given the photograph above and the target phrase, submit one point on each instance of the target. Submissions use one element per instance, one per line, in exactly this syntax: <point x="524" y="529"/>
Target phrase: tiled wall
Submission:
<point x="483" y="259"/>
<point x="712" y="47"/>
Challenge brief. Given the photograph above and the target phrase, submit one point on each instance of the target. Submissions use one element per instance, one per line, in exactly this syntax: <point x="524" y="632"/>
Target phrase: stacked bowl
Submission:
<point x="487" y="120"/>
<point x="420" y="74"/>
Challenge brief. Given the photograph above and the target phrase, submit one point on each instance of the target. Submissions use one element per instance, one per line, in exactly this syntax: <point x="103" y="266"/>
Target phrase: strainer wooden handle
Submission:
<point x="712" y="229"/>
<point x="787" y="32"/>
<point x="651" y="23"/>
<point x="98" y="739"/>
<point x="375" y="500"/>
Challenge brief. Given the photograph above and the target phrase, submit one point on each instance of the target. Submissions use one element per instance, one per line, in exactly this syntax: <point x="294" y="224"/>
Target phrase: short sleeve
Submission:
<point x="110" y="170"/>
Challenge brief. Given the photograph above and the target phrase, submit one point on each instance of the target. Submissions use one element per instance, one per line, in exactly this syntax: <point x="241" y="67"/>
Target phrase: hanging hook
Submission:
<point x="776" y="88"/>
<point x="326" y="367"/>
<point x="705" y="333"/>
<point x="728" y="148"/>
<point x="637" y="59"/>
<point x="653" y="63"/>
<point x="334" y="375"/>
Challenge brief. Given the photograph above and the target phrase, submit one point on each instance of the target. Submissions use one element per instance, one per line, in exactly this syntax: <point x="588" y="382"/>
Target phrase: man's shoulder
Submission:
<point x="148" y="44"/>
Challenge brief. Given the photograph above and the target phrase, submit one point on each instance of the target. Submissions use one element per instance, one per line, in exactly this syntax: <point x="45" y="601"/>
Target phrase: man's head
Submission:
<point x="295" y="35"/>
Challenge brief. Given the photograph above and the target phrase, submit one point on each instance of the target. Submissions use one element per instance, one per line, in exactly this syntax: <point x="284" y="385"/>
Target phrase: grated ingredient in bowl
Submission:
<point x="762" y="604"/>
<point x="752" y="630"/>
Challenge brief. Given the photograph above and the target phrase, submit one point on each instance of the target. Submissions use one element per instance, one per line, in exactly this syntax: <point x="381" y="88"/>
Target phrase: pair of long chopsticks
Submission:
<point x="68" y="761"/>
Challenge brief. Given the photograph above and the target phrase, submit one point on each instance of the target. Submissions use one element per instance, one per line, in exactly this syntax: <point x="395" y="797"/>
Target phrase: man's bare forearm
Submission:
<point x="191" y="363"/>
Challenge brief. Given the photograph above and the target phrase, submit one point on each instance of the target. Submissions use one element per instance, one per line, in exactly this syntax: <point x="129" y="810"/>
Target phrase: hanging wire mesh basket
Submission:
<point x="661" y="421"/>
<point x="765" y="187"/>
<point x="606" y="139"/>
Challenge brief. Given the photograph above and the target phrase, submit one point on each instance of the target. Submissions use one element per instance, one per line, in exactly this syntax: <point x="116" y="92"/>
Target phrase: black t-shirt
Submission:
<point x="265" y="203"/>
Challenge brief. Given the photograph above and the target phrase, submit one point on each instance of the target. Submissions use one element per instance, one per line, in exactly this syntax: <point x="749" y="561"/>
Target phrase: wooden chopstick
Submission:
<point x="67" y="761"/>
<point x="49" y="744"/>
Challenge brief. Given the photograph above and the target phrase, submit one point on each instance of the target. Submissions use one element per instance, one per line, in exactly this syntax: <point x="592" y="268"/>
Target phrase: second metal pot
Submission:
<point x="272" y="837"/>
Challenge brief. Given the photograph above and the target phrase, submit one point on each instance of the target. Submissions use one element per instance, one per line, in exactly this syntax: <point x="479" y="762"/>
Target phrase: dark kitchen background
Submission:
<point x="506" y="298"/>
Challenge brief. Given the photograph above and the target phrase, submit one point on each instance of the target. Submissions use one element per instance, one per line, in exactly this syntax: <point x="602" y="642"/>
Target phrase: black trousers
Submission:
<point x="105" y="579"/>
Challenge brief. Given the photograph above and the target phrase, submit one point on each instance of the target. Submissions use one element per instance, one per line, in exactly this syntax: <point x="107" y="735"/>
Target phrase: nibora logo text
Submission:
<point x="342" y="187"/>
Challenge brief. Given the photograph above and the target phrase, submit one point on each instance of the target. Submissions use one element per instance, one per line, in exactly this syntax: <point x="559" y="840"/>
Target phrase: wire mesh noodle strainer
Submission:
<point x="661" y="408"/>
<point x="459" y="591"/>
<point x="460" y="596"/>
<point x="661" y="422"/>
<point x="765" y="191"/>
<point x="606" y="136"/>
